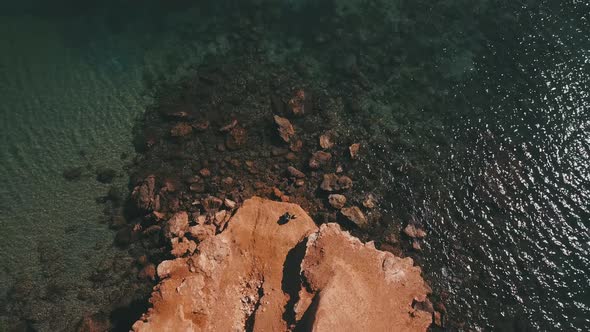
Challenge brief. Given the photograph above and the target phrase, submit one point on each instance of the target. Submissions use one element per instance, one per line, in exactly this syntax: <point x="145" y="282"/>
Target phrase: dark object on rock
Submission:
<point x="73" y="173"/>
<point x="286" y="129"/>
<point x="295" y="172"/>
<point x="105" y="175"/>
<point x="337" y="201"/>
<point x="319" y="159"/>
<point x="355" y="215"/>
<point x="285" y="218"/>
<point x="181" y="129"/>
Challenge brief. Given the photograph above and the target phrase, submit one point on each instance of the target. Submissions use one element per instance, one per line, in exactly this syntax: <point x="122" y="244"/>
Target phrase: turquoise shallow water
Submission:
<point x="505" y="84"/>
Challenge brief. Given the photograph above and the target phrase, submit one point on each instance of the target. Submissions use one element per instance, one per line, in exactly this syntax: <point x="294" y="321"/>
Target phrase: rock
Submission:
<point x="354" y="150"/>
<point x="438" y="319"/>
<point x="123" y="237"/>
<point x="73" y="173"/>
<point x="326" y="141"/>
<point x="197" y="187"/>
<point x="355" y="287"/>
<point x="97" y="322"/>
<point x="250" y="275"/>
<point x="236" y="138"/>
<point x="144" y="194"/>
<point x="202" y="232"/>
<point x="148" y="272"/>
<point x="177" y="225"/>
<point x="295" y="172"/>
<point x="229" y="203"/>
<point x="416" y="245"/>
<point x="296" y="145"/>
<point x="238" y="274"/>
<point x="181" y="129"/>
<point x="355" y="215"/>
<point x="344" y="182"/>
<point x="212" y="204"/>
<point x="181" y="247"/>
<point x="319" y="159"/>
<point x="337" y="201"/>
<point x="229" y="126"/>
<point x="411" y="231"/>
<point x="331" y="182"/>
<point x="286" y="130"/>
<point x="369" y="201"/>
<point x="105" y="175"/>
<point x="276" y="151"/>
<point x="297" y="103"/>
<point x="201" y="126"/>
<point x="291" y="156"/>
<point x="205" y="172"/>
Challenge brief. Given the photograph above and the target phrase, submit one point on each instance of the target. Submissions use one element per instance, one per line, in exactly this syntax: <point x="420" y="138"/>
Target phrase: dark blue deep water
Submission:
<point x="490" y="100"/>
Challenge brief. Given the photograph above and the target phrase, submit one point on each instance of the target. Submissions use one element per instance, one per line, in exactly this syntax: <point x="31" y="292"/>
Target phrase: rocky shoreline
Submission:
<point x="249" y="128"/>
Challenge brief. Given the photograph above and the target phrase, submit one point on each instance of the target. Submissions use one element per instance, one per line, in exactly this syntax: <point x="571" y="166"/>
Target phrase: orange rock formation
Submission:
<point x="268" y="273"/>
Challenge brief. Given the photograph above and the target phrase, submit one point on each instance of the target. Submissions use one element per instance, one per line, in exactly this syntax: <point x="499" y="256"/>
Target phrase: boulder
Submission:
<point x="295" y="172"/>
<point x="355" y="215"/>
<point x="177" y="225"/>
<point x="337" y="201"/>
<point x="319" y="159"/>
<point x="326" y="141"/>
<point x="286" y="130"/>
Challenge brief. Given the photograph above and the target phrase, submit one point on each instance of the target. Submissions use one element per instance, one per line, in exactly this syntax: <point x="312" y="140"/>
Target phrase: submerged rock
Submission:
<point x="326" y="141"/>
<point x="297" y="103"/>
<point x="286" y="130"/>
<point x="181" y="129"/>
<point x="73" y="173"/>
<point x="354" y="150"/>
<point x="319" y="159"/>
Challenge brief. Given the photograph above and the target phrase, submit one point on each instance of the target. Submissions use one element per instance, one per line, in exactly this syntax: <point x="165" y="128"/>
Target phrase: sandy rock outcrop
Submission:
<point x="271" y="269"/>
<point x="359" y="288"/>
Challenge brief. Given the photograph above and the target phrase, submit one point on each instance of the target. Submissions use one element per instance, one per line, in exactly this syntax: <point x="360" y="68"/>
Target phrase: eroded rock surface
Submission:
<point x="251" y="277"/>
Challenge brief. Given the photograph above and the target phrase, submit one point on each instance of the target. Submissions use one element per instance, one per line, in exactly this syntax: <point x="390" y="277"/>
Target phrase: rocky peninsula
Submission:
<point x="265" y="274"/>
